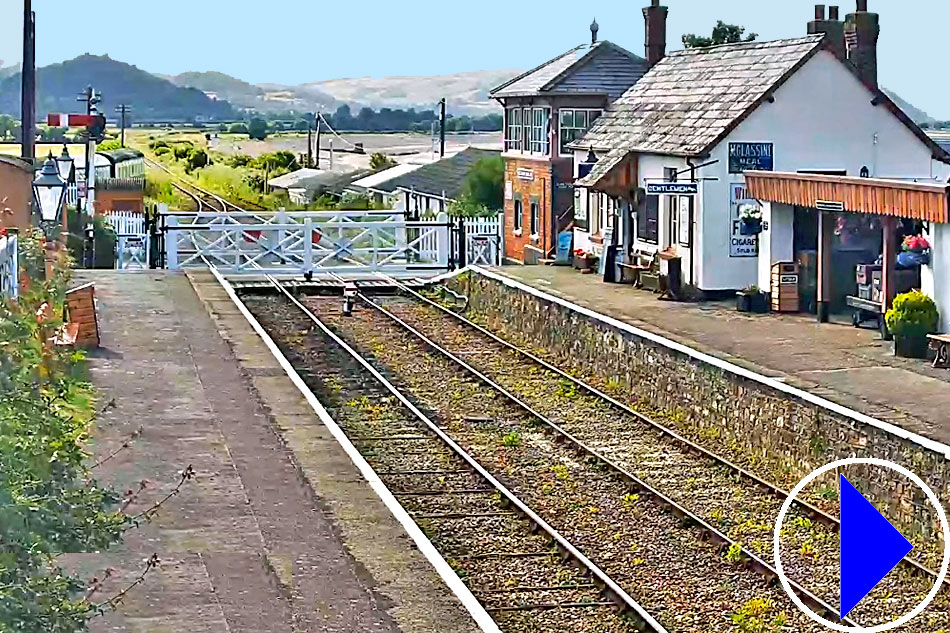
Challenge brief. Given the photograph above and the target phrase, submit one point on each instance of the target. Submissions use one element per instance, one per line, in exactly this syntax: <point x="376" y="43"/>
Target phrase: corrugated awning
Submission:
<point x="913" y="200"/>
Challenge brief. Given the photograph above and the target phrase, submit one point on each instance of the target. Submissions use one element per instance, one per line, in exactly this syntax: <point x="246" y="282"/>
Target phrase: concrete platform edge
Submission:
<point x="481" y="619"/>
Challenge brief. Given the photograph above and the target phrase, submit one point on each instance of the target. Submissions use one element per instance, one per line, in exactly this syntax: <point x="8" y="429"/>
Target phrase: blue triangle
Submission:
<point x="870" y="547"/>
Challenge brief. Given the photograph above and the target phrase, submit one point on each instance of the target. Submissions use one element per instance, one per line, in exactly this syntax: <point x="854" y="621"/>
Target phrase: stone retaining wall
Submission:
<point x="779" y="435"/>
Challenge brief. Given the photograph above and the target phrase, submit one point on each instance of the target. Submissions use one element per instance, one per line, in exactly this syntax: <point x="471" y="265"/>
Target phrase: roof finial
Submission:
<point x="594" y="27"/>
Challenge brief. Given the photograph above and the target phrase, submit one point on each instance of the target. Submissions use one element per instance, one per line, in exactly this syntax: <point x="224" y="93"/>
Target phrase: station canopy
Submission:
<point x="925" y="201"/>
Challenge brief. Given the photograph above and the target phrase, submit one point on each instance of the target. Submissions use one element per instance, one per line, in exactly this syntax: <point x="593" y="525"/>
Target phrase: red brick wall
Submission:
<point x="107" y="201"/>
<point x="539" y="187"/>
<point x="16" y="194"/>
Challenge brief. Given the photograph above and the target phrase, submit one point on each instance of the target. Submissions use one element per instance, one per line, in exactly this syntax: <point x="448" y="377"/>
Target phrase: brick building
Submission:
<point x="16" y="192"/>
<point x="545" y="109"/>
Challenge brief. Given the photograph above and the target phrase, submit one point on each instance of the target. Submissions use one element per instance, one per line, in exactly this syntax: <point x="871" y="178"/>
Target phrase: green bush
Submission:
<point x="155" y="145"/>
<point x="197" y="158"/>
<point x="161" y="151"/>
<point x="238" y="128"/>
<point x="109" y="146"/>
<point x="913" y="315"/>
<point x="182" y="151"/>
<point x="103" y="240"/>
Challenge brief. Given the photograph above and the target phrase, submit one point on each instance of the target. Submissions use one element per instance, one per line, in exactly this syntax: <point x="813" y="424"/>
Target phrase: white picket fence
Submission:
<point x="132" y="244"/>
<point x="9" y="267"/>
<point x="485" y="240"/>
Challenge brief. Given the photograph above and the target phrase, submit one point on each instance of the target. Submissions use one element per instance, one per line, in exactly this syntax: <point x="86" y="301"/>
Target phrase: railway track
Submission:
<point x="205" y="201"/>
<point x="690" y="482"/>
<point x="527" y="576"/>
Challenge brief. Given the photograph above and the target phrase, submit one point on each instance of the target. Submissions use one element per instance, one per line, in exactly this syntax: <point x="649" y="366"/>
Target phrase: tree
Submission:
<point x="722" y="34"/>
<point x="379" y="161"/>
<point x="238" y="128"/>
<point x="257" y="129"/>
<point x="485" y="183"/>
<point x="197" y="158"/>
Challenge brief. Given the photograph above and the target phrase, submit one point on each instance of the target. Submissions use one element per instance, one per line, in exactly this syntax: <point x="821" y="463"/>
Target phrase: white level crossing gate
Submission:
<point x="132" y="243"/>
<point x="317" y="243"/>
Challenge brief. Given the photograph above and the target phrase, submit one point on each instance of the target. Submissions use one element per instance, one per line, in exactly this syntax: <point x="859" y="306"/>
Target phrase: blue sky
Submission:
<point x="296" y="41"/>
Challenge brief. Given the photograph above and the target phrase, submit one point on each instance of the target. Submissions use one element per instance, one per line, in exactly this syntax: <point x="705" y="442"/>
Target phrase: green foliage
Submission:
<point x="103" y="240"/>
<point x="238" y="128"/>
<point x="161" y="151"/>
<point x="390" y="120"/>
<point x="274" y="161"/>
<point x="759" y="616"/>
<point x="49" y="504"/>
<point x="485" y="183"/>
<point x="238" y="160"/>
<point x="9" y="127"/>
<point x="722" y="34"/>
<point x="379" y="161"/>
<point x="913" y="314"/>
<point x="109" y="146"/>
<point x="196" y="159"/>
<point x="511" y="440"/>
<point x="734" y="553"/>
<point x="257" y="129"/>
<point x="182" y="150"/>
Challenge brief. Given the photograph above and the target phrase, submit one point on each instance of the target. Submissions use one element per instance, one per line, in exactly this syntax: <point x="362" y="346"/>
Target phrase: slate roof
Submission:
<point x="446" y="175"/>
<point x="598" y="68"/>
<point x="694" y="97"/>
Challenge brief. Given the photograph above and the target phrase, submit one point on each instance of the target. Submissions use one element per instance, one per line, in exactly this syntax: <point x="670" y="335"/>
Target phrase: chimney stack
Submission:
<point x="831" y="27"/>
<point x="594" y="28"/>
<point x="655" y="41"/>
<point x="861" y="32"/>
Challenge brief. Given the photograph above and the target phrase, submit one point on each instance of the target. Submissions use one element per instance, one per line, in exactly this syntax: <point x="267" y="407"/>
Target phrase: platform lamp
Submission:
<point x="64" y="162"/>
<point x="49" y="193"/>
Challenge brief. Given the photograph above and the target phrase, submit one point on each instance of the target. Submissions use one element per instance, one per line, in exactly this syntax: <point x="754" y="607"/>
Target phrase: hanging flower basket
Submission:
<point x="750" y="216"/>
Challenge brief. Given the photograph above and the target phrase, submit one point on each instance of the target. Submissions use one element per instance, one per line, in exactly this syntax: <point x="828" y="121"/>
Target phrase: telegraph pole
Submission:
<point x="28" y="85"/>
<point x="123" y="110"/>
<point x="442" y="128"/>
<point x="319" y="126"/>
<point x="309" y="141"/>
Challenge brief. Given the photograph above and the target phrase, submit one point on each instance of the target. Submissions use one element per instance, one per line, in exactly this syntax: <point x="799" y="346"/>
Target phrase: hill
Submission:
<point x="152" y="98"/>
<point x="466" y="93"/>
<point x="917" y="115"/>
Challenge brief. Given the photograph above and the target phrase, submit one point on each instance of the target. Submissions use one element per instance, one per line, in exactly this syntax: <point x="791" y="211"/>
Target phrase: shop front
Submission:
<point x="854" y="243"/>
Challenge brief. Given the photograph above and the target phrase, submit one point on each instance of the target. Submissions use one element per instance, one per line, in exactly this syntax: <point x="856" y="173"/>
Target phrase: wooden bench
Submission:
<point x="941" y="343"/>
<point x="646" y="264"/>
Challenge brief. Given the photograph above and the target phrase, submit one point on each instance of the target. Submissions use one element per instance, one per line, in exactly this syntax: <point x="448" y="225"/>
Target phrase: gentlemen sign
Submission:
<point x="675" y="188"/>
<point x="750" y="157"/>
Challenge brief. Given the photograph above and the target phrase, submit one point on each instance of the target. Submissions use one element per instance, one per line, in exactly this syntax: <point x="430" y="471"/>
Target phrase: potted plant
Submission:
<point x="913" y="316"/>
<point x="584" y="260"/>
<point x="752" y="299"/>
<point x="915" y="251"/>
<point x="750" y="216"/>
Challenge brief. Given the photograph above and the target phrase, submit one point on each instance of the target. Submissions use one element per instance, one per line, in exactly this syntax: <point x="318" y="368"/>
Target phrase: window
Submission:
<point x="648" y="220"/>
<point x="580" y="209"/>
<point x="539" y="131"/>
<point x="513" y="131"/>
<point x="535" y="218"/>
<point x="593" y="201"/>
<point x="525" y="129"/>
<point x="573" y="124"/>
<point x="519" y="214"/>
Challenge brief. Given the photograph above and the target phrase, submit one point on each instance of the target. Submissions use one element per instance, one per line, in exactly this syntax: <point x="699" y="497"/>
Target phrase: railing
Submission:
<point x="127" y="222"/>
<point x="132" y="244"/>
<point x="308" y="243"/>
<point x="484" y="240"/>
<point x="121" y="184"/>
<point x="9" y="269"/>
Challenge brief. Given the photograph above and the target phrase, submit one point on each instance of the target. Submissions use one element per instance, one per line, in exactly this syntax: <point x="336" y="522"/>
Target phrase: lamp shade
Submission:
<point x="64" y="162"/>
<point x="49" y="191"/>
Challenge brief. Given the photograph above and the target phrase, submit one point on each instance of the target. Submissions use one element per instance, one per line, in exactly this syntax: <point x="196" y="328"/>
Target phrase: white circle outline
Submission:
<point x="851" y="461"/>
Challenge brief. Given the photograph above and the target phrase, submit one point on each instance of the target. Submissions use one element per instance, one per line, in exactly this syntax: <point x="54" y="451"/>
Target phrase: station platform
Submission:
<point x="850" y="366"/>
<point x="278" y="531"/>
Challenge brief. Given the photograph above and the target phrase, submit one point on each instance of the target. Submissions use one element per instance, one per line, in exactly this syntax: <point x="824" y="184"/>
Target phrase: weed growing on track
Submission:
<point x="511" y="440"/>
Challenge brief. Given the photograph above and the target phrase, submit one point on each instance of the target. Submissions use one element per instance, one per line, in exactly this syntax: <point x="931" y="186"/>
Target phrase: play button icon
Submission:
<point x="870" y="547"/>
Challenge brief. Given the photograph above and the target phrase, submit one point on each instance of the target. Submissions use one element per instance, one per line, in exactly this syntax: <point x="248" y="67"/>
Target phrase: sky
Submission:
<point x="298" y="41"/>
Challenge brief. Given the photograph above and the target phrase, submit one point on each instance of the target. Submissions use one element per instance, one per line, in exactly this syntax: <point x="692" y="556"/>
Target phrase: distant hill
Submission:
<point x="465" y="93"/>
<point x="6" y="71"/>
<point x="152" y="98"/>
<point x="263" y="98"/>
<point x="918" y="116"/>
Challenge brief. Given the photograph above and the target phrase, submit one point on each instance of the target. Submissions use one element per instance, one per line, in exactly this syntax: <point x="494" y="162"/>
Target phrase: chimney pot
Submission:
<point x="833" y="13"/>
<point x="819" y="12"/>
<point x="594" y="28"/>
<point x="862" y="6"/>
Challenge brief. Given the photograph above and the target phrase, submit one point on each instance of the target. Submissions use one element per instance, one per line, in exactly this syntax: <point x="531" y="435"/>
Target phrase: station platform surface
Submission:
<point x="851" y="366"/>
<point x="278" y="531"/>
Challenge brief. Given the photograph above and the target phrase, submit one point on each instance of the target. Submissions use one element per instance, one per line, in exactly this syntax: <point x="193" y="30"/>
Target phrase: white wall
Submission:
<point x="935" y="279"/>
<point x="776" y="244"/>
<point x="822" y="119"/>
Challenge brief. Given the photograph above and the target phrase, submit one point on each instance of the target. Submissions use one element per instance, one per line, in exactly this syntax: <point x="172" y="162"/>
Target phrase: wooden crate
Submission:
<point x="785" y="294"/>
<point x="81" y="311"/>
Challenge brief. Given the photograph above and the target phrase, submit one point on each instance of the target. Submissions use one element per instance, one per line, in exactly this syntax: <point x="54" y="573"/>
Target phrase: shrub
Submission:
<point x="109" y="146"/>
<point x="181" y="151"/>
<point x="161" y="151"/>
<point x="197" y="158"/>
<point x="379" y="161"/>
<point x="913" y="315"/>
<point x="238" y="160"/>
<point x="154" y="145"/>
<point x="237" y="128"/>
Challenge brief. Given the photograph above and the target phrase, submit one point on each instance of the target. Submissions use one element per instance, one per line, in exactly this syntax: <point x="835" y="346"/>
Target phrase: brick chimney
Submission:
<point x="832" y="27"/>
<point x="861" y="30"/>
<point x="655" y="41"/>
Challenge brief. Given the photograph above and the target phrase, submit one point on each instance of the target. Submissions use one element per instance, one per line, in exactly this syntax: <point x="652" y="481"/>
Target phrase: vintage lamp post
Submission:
<point x="49" y="193"/>
<point x="64" y="162"/>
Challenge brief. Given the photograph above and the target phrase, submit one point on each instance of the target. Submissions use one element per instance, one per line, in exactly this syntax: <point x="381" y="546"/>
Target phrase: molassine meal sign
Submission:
<point x="750" y="157"/>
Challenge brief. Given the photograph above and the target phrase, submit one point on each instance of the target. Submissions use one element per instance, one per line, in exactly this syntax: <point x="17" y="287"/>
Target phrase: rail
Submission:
<point x="709" y="531"/>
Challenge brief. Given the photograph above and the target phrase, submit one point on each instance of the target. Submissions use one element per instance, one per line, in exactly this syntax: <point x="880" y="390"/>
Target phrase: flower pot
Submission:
<point x="583" y="263"/>
<point x="750" y="227"/>
<point x="744" y="302"/>
<point x="911" y="346"/>
<point x="760" y="303"/>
